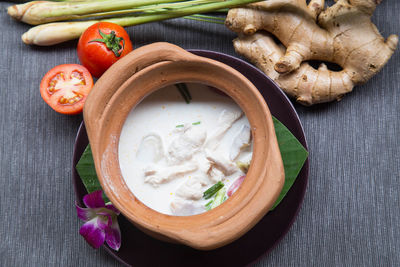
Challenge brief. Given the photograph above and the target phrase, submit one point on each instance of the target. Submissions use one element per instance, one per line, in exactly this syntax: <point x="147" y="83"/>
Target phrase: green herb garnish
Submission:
<point x="182" y="88"/>
<point x="182" y="125"/>
<point x="208" y="205"/>
<point x="212" y="190"/>
<point x="219" y="198"/>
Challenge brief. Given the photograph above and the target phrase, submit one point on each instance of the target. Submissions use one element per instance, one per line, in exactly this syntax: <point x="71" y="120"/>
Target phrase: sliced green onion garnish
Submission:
<point x="180" y="126"/>
<point x="219" y="198"/>
<point x="196" y="123"/>
<point x="212" y="190"/>
<point x="208" y="205"/>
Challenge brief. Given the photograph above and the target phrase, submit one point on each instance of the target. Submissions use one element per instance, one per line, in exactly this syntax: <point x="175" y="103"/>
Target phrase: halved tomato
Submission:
<point x="65" y="88"/>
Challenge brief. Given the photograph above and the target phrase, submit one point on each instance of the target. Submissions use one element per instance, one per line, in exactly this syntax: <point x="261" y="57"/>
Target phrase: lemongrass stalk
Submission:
<point x="208" y="17"/>
<point x="176" y="13"/>
<point x="211" y="19"/>
<point x="39" y="12"/>
<point x="204" y="20"/>
<point x="54" y="33"/>
<point x="24" y="1"/>
<point x="132" y="11"/>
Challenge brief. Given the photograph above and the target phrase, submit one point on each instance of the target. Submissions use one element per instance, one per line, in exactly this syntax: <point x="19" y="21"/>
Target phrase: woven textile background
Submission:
<point x="351" y="212"/>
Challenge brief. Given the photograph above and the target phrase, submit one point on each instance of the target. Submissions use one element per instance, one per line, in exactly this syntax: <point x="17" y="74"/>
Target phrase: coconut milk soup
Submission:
<point x="184" y="159"/>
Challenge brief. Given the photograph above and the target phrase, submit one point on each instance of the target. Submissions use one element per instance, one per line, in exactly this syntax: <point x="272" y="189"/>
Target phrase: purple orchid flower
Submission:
<point x="100" y="221"/>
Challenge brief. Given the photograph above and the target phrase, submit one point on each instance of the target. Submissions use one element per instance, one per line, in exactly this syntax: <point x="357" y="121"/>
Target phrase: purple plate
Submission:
<point x="139" y="249"/>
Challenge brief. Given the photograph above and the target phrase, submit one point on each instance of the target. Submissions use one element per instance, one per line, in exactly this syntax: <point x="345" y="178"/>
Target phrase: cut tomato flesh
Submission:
<point x="68" y="85"/>
<point x="65" y="86"/>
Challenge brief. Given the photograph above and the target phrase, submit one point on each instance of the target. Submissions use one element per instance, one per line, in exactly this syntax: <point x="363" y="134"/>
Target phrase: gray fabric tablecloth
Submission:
<point x="351" y="212"/>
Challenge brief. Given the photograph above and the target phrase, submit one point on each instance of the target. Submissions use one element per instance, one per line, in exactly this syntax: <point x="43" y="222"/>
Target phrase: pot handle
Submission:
<point x="122" y="70"/>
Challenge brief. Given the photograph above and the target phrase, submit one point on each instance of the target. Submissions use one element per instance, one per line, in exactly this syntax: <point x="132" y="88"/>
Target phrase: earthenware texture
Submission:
<point x="139" y="74"/>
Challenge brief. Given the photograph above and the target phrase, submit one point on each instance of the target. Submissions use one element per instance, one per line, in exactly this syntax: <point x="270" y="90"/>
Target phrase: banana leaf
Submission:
<point x="293" y="156"/>
<point x="87" y="172"/>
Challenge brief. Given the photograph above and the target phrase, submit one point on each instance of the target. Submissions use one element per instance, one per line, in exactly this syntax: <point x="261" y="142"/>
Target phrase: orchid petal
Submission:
<point x="111" y="207"/>
<point x="85" y="214"/>
<point x="103" y="222"/>
<point x="113" y="235"/>
<point x="92" y="233"/>
<point x="94" y="200"/>
<point x="103" y="212"/>
<point x="105" y="218"/>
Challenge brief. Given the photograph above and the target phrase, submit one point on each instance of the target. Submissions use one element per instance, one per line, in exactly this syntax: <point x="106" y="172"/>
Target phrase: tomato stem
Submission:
<point x="112" y="42"/>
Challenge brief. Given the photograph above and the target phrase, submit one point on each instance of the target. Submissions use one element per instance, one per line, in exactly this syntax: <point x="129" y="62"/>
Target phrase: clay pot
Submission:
<point x="137" y="75"/>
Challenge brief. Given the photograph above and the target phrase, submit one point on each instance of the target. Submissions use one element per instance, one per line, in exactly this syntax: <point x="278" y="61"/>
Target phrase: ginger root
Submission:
<point x="342" y="33"/>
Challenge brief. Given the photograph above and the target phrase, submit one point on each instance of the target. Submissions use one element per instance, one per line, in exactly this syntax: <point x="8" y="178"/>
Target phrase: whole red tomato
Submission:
<point x="101" y="45"/>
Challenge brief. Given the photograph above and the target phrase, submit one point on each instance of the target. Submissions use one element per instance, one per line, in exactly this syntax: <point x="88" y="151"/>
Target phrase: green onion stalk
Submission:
<point x="219" y="198"/>
<point x="122" y="12"/>
<point x="213" y="190"/>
